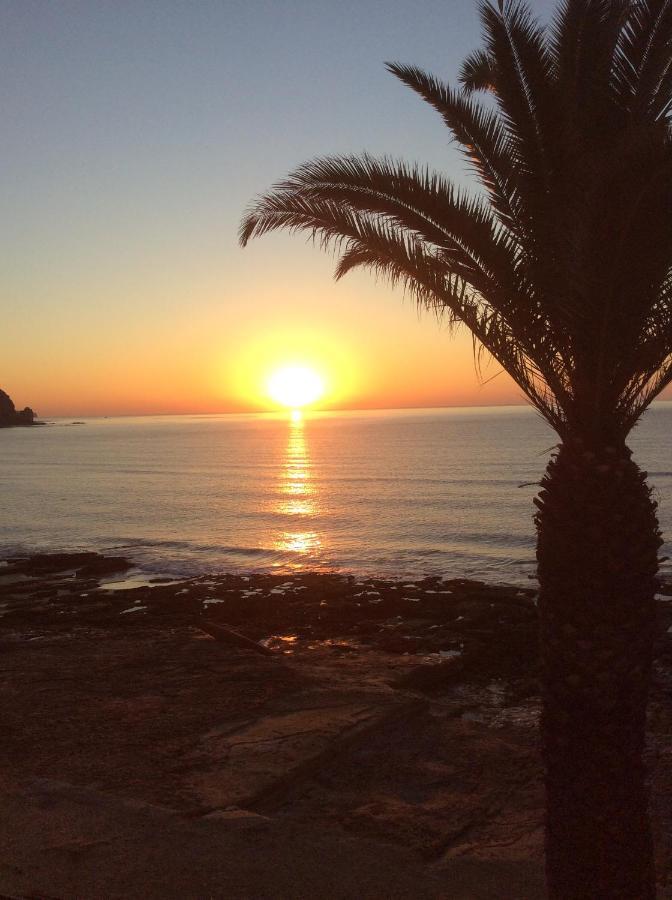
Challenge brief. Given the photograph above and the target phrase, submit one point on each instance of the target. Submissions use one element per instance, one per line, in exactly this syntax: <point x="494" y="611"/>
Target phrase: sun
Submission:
<point x="295" y="386"/>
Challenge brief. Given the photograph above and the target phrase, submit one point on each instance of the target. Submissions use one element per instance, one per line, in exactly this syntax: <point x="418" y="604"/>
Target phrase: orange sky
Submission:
<point x="153" y="353"/>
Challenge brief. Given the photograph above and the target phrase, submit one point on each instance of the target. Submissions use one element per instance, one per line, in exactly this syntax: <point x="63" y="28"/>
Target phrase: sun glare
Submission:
<point x="295" y="386"/>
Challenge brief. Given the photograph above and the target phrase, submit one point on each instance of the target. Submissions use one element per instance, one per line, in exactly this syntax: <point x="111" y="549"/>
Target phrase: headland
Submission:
<point x="10" y="417"/>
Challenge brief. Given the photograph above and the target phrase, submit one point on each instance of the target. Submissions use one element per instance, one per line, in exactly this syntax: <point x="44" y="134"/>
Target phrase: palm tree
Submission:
<point x="561" y="268"/>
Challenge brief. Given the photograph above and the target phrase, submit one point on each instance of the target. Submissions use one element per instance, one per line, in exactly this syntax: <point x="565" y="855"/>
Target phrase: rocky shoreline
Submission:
<point x="403" y="712"/>
<point x="460" y="619"/>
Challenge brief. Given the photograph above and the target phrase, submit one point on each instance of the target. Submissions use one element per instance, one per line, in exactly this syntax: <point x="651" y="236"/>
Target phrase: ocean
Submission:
<point x="392" y="493"/>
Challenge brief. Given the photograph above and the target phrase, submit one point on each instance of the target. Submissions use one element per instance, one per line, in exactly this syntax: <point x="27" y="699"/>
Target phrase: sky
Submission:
<point x="136" y="132"/>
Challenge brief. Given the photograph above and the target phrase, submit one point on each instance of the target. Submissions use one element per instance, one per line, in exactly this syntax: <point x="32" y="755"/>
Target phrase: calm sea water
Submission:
<point x="392" y="493"/>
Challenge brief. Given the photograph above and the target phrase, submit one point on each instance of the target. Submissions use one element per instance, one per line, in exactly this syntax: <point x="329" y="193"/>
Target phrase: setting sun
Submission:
<point x="295" y="386"/>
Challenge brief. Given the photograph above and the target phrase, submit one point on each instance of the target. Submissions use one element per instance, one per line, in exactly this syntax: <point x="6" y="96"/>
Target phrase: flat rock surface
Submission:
<point x="392" y="733"/>
<point x="248" y="762"/>
<point x="60" y="841"/>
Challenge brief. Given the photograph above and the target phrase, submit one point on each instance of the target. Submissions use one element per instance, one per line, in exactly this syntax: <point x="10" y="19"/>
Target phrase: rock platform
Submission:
<point x="385" y="746"/>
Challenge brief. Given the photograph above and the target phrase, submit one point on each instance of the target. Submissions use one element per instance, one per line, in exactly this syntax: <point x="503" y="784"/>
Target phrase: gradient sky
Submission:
<point x="135" y="132"/>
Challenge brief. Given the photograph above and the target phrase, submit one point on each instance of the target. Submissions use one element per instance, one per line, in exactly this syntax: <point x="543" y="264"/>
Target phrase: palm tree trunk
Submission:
<point x="597" y="550"/>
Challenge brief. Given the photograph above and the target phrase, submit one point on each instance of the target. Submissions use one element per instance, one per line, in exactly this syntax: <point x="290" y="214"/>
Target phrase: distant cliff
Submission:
<point x="10" y="416"/>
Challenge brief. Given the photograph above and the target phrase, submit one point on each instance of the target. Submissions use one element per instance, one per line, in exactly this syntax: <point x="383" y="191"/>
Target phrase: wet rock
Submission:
<point x="85" y="564"/>
<point x="398" y="643"/>
<point x="367" y="627"/>
<point x="103" y="565"/>
<point x="473" y="611"/>
<point x="434" y="677"/>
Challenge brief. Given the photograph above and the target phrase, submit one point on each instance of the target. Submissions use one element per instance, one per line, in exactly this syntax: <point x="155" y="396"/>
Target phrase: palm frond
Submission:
<point x="436" y="284"/>
<point x="583" y="40"/>
<point x="480" y="133"/>
<point x="563" y="274"/>
<point x="643" y="60"/>
<point x="347" y="202"/>
<point x="414" y="198"/>
<point x="478" y="72"/>
<point x="517" y="45"/>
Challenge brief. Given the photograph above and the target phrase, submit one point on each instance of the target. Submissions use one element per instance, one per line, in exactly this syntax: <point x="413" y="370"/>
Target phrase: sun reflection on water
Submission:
<point x="298" y="494"/>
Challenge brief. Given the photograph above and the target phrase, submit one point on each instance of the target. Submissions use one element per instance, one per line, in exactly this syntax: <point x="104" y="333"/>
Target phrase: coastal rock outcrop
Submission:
<point x="10" y="416"/>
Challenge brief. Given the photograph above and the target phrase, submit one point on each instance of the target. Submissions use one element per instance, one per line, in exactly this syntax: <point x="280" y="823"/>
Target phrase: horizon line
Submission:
<point x="278" y="411"/>
<point x="288" y="410"/>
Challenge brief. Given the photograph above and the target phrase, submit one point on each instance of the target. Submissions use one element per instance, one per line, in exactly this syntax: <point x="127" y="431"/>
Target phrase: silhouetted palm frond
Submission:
<point x="478" y="72"/>
<point x="563" y="272"/>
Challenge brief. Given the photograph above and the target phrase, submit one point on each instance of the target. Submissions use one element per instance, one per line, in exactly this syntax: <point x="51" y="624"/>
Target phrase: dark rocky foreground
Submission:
<point x="394" y="716"/>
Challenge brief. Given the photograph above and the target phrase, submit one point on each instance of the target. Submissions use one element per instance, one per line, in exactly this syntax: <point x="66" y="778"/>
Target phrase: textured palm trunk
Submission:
<point x="597" y="550"/>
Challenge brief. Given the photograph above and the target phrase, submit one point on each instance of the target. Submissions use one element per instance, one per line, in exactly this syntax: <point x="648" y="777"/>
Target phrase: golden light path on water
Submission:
<point x="298" y="495"/>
